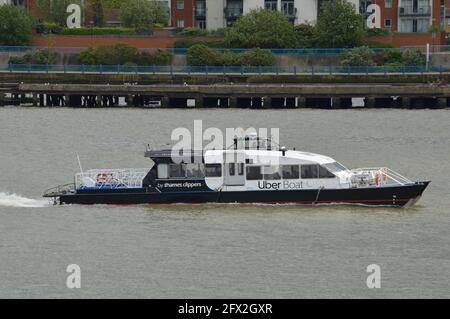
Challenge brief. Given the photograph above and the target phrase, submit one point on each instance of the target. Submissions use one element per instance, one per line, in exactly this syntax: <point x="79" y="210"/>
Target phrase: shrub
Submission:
<point x="377" y="45"/>
<point x="229" y="58"/>
<point x="116" y="54"/>
<point x="200" y="54"/>
<point x="377" y="32"/>
<point x="88" y="56"/>
<point x="184" y="43"/>
<point x="162" y="57"/>
<point x="392" y="56"/>
<point x="360" y="56"/>
<point x="187" y="43"/>
<point x="193" y="32"/>
<point x="97" y="31"/>
<point x="123" y="54"/>
<point x="48" y="28"/>
<point x="203" y="55"/>
<point x="16" y="25"/>
<point x="413" y="57"/>
<point x="36" y="57"/>
<point x="256" y="57"/>
<point x="304" y="34"/>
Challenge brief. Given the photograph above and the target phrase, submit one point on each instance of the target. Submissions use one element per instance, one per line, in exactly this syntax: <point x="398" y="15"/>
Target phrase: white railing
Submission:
<point x="111" y="178"/>
<point x="378" y="176"/>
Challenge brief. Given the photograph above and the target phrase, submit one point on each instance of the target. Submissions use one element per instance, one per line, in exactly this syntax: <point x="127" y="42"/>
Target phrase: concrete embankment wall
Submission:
<point x="148" y="78"/>
<point x="229" y="95"/>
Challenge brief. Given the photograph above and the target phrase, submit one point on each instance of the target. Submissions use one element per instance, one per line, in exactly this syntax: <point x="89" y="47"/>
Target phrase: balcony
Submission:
<point x="233" y="12"/>
<point x="411" y="11"/>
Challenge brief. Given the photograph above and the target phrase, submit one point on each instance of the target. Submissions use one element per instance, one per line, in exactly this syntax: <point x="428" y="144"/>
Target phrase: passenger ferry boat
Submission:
<point x="244" y="173"/>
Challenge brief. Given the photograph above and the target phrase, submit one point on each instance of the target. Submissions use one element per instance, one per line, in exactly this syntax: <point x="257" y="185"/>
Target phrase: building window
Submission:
<point x="363" y="4"/>
<point x="388" y="4"/>
<point x="271" y="5"/>
<point x="387" y="23"/>
<point x="180" y="4"/>
<point x="180" y="23"/>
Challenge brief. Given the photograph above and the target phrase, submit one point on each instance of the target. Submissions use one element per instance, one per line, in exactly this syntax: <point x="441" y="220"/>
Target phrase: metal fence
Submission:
<point x="225" y="70"/>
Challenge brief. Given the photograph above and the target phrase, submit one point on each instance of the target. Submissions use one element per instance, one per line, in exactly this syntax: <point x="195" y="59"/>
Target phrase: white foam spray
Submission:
<point x="14" y="200"/>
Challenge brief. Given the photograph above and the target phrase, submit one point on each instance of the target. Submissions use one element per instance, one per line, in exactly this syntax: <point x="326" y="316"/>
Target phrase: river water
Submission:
<point x="220" y="251"/>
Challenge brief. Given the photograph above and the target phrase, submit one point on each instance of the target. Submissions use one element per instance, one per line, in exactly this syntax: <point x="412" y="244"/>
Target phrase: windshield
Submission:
<point x="335" y="167"/>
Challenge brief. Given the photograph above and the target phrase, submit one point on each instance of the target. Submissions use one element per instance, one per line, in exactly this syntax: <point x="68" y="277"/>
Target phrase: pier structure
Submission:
<point x="228" y="95"/>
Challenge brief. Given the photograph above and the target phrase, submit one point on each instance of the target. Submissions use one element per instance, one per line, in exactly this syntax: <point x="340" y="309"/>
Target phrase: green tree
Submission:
<point x="97" y="9"/>
<point x="339" y="25"/>
<point x="56" y="10"/>
<point x="261" y="28"/>
<point x="142" y="14"/>
<point x="16" y="25"/>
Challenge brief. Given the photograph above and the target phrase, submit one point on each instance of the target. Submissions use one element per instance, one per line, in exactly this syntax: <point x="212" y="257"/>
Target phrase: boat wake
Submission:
<point x="14" y="200"/>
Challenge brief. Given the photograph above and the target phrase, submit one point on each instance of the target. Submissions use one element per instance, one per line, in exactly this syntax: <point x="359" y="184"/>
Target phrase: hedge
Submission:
<point x="200" y="54"/>
<point x="123" y="54"/>
<point x="98" y="31"/>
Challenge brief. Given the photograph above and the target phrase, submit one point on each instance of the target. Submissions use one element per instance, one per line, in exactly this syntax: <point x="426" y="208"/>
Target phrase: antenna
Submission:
<point x="79" y="163"/>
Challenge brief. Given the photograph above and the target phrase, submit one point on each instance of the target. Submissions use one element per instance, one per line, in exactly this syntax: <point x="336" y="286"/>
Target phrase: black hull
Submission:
<point x="397" y="196"/>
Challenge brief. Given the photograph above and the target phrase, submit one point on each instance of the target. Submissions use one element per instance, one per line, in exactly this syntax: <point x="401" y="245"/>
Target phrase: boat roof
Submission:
<point x="217" y="155"/>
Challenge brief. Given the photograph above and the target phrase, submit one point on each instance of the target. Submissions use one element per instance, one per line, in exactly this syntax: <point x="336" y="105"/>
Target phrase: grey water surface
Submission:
<point x="220" y="251"/>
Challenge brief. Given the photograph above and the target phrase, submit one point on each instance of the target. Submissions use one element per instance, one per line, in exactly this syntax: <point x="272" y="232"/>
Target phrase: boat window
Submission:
<point x="335" y="167"/>
<point x="272" y="172"/>
<point x="240" y="169"/>
<point x="324" y="173"/>
<point x="163" y="171"/>
<point x="310" y="171"/>
<point x="231" y="169"/>
<point x="177" y="170"/>
<point x="290" y="171"/>
<point x="213" y="170"/>
<point x="195" y="171"/>
<point x="254" y="173"/>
